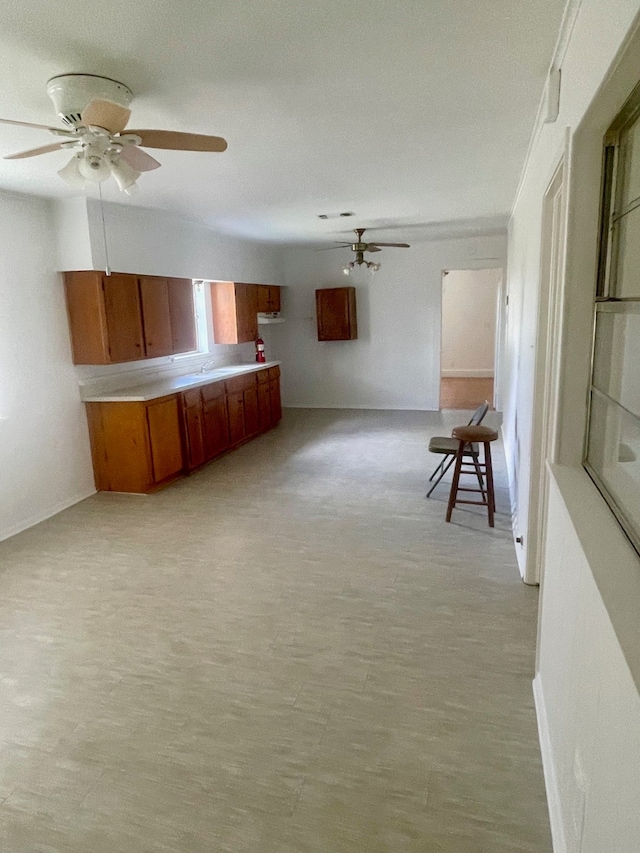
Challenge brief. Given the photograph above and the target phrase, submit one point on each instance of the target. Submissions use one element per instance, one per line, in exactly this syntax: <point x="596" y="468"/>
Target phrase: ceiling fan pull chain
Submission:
<point x="107" y="268"/>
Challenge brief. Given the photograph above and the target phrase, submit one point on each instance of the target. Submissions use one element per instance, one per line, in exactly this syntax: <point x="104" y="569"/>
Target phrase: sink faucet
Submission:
<point x="208" y="365"/>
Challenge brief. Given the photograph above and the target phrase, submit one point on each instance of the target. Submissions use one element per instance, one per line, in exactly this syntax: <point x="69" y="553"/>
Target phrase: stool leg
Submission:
<point x="491" y="499"/>
<point x="453" y="494"/>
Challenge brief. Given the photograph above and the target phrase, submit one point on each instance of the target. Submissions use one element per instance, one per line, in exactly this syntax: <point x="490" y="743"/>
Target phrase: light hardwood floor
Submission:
<point x="465" y="392"/>
<point x="289" y="652"/>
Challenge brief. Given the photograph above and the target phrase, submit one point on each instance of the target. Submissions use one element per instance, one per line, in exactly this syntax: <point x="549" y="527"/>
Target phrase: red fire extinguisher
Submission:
<point x="260" y="357"/>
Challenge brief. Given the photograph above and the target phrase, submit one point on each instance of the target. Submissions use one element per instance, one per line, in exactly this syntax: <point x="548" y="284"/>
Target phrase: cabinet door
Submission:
<point x="273" y="301"/>
<point x="182" y="314"/>
<point x="216" y="427"/>
<point x="336" y="314"/>
<point x="263" y="300"/>
<point x="156" y="318"/>
<point x="87" y="321"/>
<point x="274" y="401"/>
<point x="164" y="436"/>
<point x="251" y="416"/>
<point x="235" y="405"/>
<point x="264" y="405"/>
<point x="193" y="417"/>
<point x="123" y="317"/>
<point x="246" y="312"/>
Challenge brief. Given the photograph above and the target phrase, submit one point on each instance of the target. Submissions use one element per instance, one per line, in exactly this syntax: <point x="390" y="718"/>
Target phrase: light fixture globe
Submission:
<point x="71" y="172"/>
<point x="94" y="168"/>
<point x="125" y="176"/>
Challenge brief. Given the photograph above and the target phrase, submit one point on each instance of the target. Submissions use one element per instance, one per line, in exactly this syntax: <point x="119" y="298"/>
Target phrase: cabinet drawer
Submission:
<point x="240" y="383"/>
<point x="274" y="372"/>
<point x="263" y="376"/>
<point x="191" y="398"/>
<point x="213" y="391"/>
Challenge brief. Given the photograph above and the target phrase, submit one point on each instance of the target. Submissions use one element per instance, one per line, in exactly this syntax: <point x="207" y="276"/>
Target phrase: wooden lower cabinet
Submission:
<point x="216" y="427"/>
<point x="193" y="416"/>
<point x="264" y="400"/>
<point x="274" y="395"/>
<point x="139" y="447"/>
<point x="136" y="447"/>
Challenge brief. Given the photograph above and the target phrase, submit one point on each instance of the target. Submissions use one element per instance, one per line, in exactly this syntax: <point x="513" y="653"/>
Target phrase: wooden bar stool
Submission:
<point x="465" y="436"/>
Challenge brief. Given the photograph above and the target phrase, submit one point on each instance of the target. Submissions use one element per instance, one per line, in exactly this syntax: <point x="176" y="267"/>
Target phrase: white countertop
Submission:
<point x="173" y="384"/>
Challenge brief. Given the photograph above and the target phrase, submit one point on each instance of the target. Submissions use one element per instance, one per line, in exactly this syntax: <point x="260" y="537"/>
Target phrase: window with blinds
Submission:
<point x="612" y="455"/>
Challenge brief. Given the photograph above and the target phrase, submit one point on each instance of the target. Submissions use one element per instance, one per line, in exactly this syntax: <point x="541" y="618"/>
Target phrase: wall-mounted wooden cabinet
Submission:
<point x="234" y="309"/>
<point x="235" y="306"/>
<point x="124" y="317"/>
<point x="268" y="298"/>
<point x="336" y="314"/>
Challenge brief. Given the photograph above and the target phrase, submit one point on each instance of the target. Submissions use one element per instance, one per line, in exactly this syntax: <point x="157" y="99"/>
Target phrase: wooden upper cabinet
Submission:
<point x="234" y="308"/>
<point x="154" y="298"/>
<point x="268" y="298"/>
<point x="336" y="314"/>
<point x="247" y="312"/>
<point x="183" y="316"/>
<point x="125" y="317"/>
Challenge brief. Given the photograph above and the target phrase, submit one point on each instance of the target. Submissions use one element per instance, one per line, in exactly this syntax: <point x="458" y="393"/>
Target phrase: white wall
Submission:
<point x="588" y="669"/>
<point x="158" y="243"/>
<point x="395" y="363"/>
<point x="469" y="310"/>
<point x="44" y="448"/>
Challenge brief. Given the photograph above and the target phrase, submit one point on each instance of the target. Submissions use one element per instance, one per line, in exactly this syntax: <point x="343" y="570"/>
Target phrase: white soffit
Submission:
<point x="407" y="113"/>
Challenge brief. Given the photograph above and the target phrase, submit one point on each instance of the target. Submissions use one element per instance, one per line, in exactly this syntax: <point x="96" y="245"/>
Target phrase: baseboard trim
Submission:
<point x="49" y="512"/>
<point x="466" y="374"/>
<point x="550" y="777"/>
<point x="359" y="408"/>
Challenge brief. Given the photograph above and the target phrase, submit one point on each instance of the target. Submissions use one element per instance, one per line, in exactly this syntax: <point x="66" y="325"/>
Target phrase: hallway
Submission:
<point x="288" y="652"/>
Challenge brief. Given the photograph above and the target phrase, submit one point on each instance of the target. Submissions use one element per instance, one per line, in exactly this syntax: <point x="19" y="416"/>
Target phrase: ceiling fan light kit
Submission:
<point x="360" y="247"/>
<point x="96" y="111"/>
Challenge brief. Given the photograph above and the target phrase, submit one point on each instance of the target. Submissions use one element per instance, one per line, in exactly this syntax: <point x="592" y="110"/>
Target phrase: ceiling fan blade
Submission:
<point x="33" y="152"/>
<point x="56" y="130"/>
<point x="393" y="245"/>
<point x="332" y="248"/>
<point x="138" y="159"/>
<point x="106" y="114"/>
<point x="372" y="248"/>
<point x="173" y="139"/>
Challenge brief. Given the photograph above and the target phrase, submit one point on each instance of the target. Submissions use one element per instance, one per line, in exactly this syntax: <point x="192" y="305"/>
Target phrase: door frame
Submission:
<point x="547" y="377"/>
<point x="501" y="317"/>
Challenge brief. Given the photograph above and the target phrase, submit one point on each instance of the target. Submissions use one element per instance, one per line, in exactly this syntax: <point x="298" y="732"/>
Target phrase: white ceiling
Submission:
<point x="409" y="112"/>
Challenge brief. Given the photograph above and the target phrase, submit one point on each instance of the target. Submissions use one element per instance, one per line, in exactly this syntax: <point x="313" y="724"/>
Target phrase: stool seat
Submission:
<point x="474" y="433"/>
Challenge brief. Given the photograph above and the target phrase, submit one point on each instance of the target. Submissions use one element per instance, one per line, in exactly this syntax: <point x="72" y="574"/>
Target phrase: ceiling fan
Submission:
<point x="95" y="113"/>
<point x="360" y="247"/>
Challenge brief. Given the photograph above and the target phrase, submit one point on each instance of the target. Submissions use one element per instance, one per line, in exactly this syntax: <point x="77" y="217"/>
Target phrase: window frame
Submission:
<point x="606" y="300"/>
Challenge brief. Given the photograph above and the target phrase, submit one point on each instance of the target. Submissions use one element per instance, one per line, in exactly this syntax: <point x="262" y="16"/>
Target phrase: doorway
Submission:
<point x="470" y="307"/>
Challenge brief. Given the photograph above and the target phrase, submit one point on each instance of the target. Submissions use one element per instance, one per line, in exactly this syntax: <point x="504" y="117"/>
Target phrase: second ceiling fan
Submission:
<point x="360" y="247"/>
